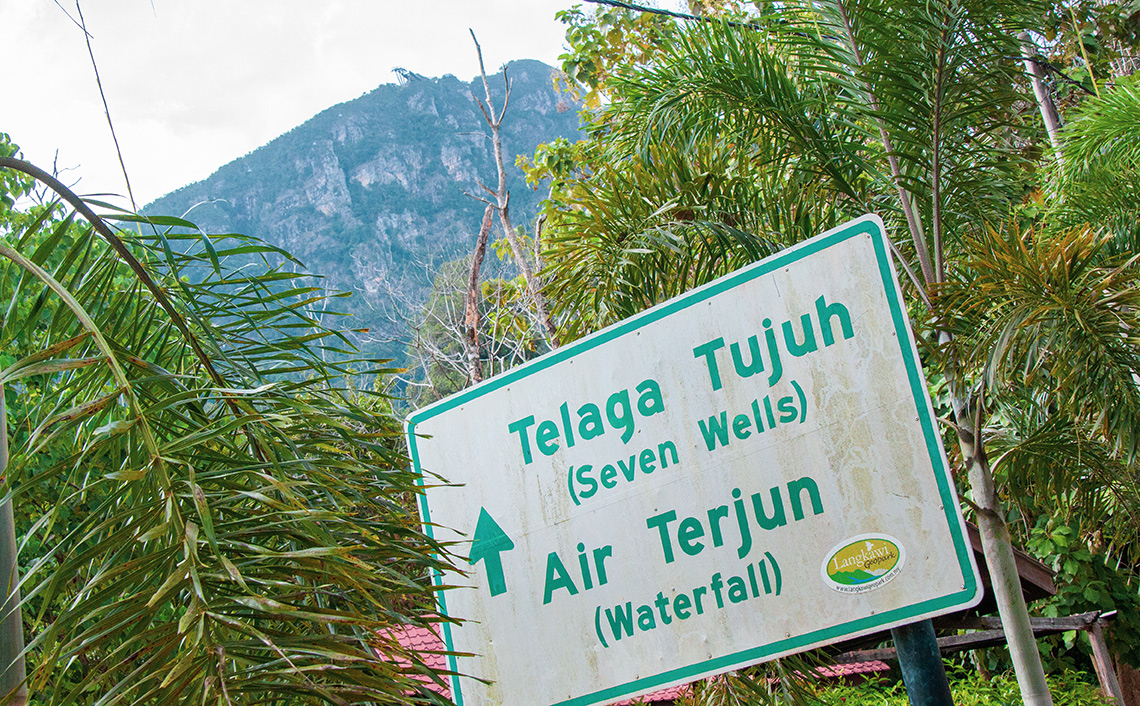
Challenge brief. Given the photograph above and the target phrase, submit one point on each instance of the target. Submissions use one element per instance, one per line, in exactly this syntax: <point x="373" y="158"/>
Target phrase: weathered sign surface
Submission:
<point x="746" y="471"/>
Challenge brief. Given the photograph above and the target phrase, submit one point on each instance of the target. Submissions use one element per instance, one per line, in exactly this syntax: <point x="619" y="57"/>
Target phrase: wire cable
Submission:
<point x="670" y="13"/>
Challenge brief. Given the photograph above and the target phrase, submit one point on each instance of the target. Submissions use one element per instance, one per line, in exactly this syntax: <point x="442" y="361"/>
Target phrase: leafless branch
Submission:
<point x="502" y="197"/>
<point x="106" y="108"/>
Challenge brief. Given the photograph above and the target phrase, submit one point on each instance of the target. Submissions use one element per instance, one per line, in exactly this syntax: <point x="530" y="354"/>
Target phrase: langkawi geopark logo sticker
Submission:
<point x="863" y="563"/>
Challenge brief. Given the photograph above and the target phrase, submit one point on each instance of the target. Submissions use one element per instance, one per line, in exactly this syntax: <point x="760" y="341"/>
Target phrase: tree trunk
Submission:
<point x="1002" y="565"/>
<point x="502" y="204"/>
<point x="540" y="312"/>
<point x="1129" y="678"/>
<point x="1041" y="92"/>
<point x="471" y="315"/>
<point x="12" y="675"/>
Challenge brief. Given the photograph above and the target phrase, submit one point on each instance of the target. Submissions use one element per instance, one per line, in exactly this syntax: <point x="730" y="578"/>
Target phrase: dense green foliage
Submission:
<point x="208" y="513"/>
<point x="1101" y="181"/>
<point x="1086" y="581"/>
<point x="1068" y="688"/>
<point x="713" y="143"/>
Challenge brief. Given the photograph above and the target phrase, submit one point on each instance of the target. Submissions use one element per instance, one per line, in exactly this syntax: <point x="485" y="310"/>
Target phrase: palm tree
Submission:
<point x="208" y="511"/>
<point x="1098" y="179"/>
<point x="740" y="137"/>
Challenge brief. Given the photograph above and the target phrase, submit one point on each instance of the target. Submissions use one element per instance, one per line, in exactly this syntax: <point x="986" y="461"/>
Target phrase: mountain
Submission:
<point x="370" y="193"/>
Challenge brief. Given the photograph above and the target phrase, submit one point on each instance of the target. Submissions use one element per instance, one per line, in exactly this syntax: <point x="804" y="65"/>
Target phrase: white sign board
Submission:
<point x="746" y="471"/>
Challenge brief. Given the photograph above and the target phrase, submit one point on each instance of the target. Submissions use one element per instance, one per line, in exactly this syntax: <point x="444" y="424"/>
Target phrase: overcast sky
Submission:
<point x="193" y="84"/>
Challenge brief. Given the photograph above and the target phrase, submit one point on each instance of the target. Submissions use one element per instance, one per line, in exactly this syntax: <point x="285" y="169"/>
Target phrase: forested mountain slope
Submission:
<point x="370" y="193"/>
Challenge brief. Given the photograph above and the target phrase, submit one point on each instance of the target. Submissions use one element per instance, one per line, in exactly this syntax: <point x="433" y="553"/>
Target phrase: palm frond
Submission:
<point x="638" y="233"/>
<point x="1098" y="180"/>
<point x="1052" y="465"/>
<point x="210" y="512"/>
<point x="1045" y="310"/>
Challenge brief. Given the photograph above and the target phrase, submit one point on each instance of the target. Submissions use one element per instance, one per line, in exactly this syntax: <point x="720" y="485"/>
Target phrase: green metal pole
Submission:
<point x="13" y="690"/>
<point x="923" y="672"/>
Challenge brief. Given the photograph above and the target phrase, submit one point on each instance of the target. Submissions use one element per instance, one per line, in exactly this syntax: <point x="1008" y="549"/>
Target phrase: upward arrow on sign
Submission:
<point x="488" y="543"/>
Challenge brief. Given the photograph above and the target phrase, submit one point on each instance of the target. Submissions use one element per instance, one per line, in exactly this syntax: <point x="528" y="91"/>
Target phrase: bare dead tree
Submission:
<point x="471" y="315"/>
<point x="502" y="198"/>
<point x="438" y="362"/>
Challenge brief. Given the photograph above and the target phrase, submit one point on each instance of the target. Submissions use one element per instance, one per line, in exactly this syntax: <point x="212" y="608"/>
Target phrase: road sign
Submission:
<point x="746" y="471"/>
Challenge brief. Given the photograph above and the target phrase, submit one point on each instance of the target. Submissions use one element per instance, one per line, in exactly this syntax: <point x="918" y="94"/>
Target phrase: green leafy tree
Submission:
<point x="601" y="41"/>
<point x="1088" y="44"/>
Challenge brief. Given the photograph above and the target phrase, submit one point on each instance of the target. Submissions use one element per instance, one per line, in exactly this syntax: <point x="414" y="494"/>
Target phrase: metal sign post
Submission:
<point x="746" y="471"/>
<point x="920" y="661"/>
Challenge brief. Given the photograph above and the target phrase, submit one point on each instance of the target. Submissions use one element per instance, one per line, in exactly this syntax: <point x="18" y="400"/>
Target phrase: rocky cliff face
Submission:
<point x="371" y="193"/>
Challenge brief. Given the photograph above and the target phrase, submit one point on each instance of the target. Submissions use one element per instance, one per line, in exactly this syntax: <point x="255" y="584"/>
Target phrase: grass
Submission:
<point x="969" y="689"/>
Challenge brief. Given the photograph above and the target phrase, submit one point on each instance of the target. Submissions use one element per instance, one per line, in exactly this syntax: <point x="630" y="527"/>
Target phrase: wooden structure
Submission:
<point x="986" y="631"/>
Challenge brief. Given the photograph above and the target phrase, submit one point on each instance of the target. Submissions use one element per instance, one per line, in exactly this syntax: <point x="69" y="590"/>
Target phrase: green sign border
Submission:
<point x="866" y="225"/>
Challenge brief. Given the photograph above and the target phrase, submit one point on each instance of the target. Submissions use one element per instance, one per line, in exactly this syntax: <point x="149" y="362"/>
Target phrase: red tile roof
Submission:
<point x="426" y="643"/>
<point x="837" y="671"/>
<point x="664" y="696"/>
